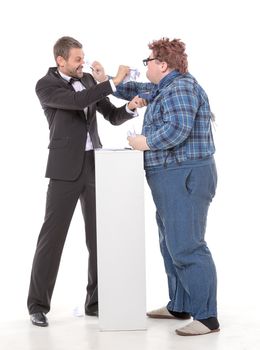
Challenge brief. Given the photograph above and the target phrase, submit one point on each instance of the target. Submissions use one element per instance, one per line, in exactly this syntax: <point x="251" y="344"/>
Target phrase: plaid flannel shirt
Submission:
<point x="177" y="121"/>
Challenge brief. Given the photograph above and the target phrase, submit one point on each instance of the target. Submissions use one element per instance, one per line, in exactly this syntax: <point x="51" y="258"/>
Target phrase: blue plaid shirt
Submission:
<point x="177" y="121"/>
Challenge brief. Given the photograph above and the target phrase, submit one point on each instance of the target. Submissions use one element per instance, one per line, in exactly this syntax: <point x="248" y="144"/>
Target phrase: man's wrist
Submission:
<point x="131" y="111"/>
<point x="115" y="81"/>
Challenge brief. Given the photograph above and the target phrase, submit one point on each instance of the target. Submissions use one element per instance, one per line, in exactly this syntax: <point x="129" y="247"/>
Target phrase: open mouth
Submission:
<point x="79" y="69"/>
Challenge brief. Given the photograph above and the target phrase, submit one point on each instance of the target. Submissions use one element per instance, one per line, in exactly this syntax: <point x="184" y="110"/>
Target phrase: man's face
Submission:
<point x="73" y="66"/>
<point x="153" y="70"/>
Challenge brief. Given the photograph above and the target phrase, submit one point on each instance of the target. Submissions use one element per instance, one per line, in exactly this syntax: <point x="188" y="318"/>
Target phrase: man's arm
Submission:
<point x="178" y="111"/>
<point x="179" y="107"/>
<point x="118" y="115"/>
<point x="125" y="91"/>
<point x="54" y="94"/>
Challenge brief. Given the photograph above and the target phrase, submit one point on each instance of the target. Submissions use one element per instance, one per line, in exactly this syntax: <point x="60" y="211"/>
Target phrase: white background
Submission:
<point x="223" y="50"/>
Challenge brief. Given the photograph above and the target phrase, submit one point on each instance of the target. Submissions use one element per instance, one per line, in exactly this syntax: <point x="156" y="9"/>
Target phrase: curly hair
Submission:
<point x="172" y="52"/>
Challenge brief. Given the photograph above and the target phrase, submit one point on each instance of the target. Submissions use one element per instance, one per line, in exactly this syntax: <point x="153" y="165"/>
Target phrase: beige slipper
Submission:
<point x="195" y="328"/>
<point x="160" y="313"/>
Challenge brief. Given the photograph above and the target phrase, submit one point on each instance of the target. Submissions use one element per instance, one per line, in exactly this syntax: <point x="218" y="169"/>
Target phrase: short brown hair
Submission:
<point x="172" y="52"/>
<point x="63" y="45"/>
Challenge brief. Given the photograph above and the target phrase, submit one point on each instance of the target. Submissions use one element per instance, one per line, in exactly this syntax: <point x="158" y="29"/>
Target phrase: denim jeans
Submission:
<point x="182" y="195"/>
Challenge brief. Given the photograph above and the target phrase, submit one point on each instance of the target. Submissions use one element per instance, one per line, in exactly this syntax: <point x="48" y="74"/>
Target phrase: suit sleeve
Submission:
<point x="55" y="95"/>
<point x="115" y="115"/>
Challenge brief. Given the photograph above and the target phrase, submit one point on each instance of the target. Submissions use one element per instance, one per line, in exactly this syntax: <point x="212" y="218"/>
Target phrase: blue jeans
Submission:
<point x="182" y="195"/>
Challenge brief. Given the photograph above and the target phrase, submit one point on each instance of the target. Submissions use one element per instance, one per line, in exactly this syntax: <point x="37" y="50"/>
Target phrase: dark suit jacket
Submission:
<point x="64" y="109"/>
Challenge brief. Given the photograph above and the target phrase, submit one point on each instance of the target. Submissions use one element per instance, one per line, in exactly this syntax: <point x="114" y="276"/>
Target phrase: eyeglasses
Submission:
<point x="146" y="60"/>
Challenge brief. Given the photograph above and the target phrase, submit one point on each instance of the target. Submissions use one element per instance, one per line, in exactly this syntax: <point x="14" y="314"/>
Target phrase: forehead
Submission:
<point x="76" y="53"/>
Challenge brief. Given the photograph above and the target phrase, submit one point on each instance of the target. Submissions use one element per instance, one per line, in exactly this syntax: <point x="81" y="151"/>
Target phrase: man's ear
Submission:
<point x="164" y="67"/>
<point x="60" y="61"/>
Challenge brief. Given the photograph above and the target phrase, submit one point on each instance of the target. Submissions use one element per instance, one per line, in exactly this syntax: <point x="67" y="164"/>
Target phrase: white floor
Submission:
<point x="237" y="262"/>
<point x="239" y="331"/>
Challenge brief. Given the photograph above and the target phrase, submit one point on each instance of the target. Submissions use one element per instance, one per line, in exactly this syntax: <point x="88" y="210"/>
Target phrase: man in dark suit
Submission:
<point x="70" y="100"/>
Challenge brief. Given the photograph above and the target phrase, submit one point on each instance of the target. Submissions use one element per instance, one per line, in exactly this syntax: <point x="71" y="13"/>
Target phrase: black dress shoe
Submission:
<point x="39" y="319"/>
<point x="91" y="313"/>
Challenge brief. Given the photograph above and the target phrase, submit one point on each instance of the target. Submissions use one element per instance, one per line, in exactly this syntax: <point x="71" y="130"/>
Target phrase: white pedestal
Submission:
<point x="120" y="239"/>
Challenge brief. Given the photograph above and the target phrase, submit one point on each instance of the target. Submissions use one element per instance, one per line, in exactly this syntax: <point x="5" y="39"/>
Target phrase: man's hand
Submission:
<point x="122" y="72"/>
<point x="98" y="72"/>
<point x="138" y="142"/>
<point x="136" y="102"/>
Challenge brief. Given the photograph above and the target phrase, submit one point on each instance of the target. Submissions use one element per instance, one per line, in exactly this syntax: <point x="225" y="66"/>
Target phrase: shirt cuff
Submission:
<point x="112" y="85"/>
<point x="134" y="113"/>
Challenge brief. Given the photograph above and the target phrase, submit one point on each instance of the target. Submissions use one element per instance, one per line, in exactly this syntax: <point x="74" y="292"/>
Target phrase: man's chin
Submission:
<point x="79" y="74"/>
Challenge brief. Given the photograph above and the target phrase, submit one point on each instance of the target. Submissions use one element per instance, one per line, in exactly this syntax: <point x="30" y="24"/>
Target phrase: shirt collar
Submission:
<point x="64" y="76"/>
<point x="168" y="78"/>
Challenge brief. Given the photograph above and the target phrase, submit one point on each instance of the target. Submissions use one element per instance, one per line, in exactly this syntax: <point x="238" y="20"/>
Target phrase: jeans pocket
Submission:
<point x="214" y="180"/>
<point x="189" y="181"/>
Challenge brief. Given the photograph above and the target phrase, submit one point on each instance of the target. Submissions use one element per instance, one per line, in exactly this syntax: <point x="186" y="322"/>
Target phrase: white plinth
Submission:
<point x="120" y="239"/>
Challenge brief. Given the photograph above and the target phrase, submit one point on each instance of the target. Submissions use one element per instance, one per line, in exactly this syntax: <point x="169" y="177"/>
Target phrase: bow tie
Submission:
<point x="73" y="80"/>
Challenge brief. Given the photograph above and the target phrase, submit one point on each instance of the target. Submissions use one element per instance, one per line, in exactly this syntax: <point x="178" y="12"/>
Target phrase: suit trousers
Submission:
<point x="62" y="197"/>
